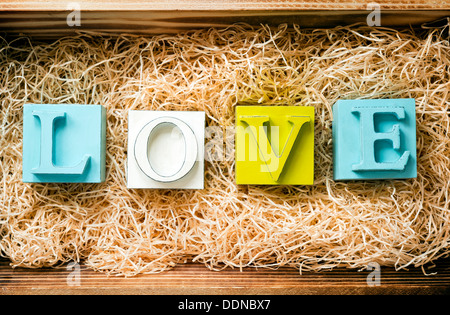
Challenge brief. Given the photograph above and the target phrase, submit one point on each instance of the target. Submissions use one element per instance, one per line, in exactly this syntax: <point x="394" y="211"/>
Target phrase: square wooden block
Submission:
<point x="374" y="139"/>
<point x="64" y="143"/>
<point x="275" y="145"/>
<point x="166" y="149"/>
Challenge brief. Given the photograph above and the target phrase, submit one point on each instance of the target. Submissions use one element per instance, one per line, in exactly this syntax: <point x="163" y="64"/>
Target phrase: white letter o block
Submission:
<point x="165" y="149"/>
<point x="150" y="164"/>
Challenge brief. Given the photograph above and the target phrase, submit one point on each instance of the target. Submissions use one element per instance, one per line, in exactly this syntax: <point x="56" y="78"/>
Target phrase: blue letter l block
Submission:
<point x="46" y="166"/>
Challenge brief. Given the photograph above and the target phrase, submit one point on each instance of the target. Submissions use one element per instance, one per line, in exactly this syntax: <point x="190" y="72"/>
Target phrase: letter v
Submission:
<point x="276" y="161"/>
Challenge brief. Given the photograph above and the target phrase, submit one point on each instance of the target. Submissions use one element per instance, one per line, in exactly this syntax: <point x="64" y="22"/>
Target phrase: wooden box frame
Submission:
<point x="47" y="20"/>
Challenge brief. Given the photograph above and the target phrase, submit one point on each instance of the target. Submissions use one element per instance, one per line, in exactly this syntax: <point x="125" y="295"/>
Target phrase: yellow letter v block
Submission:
<point x="275" y="145"/>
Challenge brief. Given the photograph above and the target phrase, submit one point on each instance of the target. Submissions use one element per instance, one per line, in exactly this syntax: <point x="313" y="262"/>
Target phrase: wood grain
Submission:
<point x="48" y="19"/>
<point x="221" y="5"/>
<point x="50" y="25"/>
<point x="197" y="279"/>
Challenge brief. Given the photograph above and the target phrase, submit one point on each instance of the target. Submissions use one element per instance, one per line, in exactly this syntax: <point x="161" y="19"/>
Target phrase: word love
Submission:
<point x="274" y="145"/>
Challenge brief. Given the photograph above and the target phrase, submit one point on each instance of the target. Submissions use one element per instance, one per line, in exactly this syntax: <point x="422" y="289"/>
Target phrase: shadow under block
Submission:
<point x="64" y="143"/>
<point x="275" y="145"/>
<point x="374" y="139"/>
<point x="165" y="149"/>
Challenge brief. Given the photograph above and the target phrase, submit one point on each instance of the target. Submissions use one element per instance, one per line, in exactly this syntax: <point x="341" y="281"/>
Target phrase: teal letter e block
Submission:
<point x="64" y="143"/>
<point x="374" y="139"/>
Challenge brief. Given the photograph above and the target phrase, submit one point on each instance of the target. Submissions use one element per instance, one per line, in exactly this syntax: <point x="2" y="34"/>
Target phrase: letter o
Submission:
<point x="142" y="143"/>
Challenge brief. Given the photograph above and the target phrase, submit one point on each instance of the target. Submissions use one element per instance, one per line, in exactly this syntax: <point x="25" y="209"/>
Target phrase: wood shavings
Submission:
<point x="399" y="223"/>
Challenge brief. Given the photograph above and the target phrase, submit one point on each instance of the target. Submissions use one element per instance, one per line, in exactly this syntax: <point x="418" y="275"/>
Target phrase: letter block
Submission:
<point x="166" y="149"/>
<point x="374" y="139"/>
<point x="275" y="145"/>
<point x="64" y="143"/>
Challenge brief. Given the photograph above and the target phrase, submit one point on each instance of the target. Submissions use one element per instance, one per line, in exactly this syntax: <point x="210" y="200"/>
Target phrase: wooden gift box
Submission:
<point x="47" y="20"/>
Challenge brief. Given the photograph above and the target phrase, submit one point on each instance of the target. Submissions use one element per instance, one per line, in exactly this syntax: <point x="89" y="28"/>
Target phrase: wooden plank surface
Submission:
<point x="48" y="19"/>
<point x="51" y="25"/>
<point x="221" y="5"/>
<point x="197" y="279"/>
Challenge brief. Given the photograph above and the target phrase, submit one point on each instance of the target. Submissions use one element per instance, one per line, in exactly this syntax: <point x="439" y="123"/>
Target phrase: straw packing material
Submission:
<point x="397" y="223"/>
